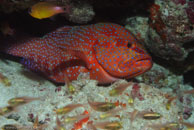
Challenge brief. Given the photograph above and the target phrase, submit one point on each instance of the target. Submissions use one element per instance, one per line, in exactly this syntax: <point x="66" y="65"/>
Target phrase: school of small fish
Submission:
<point x="108" y="109"/>
<point x="106" y="51"/>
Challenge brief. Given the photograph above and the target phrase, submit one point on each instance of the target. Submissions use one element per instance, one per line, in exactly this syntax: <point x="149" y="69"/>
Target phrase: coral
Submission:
<point x="81" y="14"/>
<point x="168" y="33"/>
<point x="182" y="2"/>
<point x="190" y="11"/>
<point x="9" y="6"/>
<point x="161" y="77"/>
<point x="156" y="21"/>
<point x="174" y="33"/>
<point x="148" y="99"/>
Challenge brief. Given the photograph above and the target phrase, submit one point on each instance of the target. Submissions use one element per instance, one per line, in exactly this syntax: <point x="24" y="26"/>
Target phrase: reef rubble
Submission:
<point x="51" y="97"/>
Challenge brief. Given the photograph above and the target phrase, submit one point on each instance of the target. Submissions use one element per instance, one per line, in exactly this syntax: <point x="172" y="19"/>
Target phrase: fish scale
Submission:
<point x="106" y="51"/>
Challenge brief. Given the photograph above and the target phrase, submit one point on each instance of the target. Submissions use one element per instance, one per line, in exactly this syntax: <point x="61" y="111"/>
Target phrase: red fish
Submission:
<point x="106" y="51"/>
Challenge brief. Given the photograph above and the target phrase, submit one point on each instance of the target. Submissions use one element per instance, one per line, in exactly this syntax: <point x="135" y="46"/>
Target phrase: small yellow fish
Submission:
<point x="130" y="100"/>
<point x="119" y="89"/>
<point x="109" y="125"/>
<point x="59" y="126"/>
<point x="21" y="100"/>
<point x="151" y="116"/>
<point x="133" y="115"/>
<point x="37" y="125"/>
<point x="169" y="102"/>
<point x="189" y="91"/>
<point x="102" y="106"/>
<point x="147" y="115"/>
<point x="5" y="80"/>
<point x="68" y="108"/>
<point x="165" y="126"/>
<point x="9" y="127"/>
<point x="111" y="113"/>
<point x="190" y="126"/>
<point x="42" y="10"/>
<point x="6" y="110"/>
<point x="73" y="119"/>
<point x="91" y="126"/>
<point x="70" y="87"/>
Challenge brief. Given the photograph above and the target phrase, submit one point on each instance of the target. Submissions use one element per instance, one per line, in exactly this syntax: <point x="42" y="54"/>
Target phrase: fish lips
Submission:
<point x="135" y="68"/>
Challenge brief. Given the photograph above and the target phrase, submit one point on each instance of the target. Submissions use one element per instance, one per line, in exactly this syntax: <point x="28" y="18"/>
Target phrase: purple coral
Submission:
<point x="187" y="112"/>
<point x="190" y="11"/>
<point x="182" y="2"/>
<point x="171" y="28"/>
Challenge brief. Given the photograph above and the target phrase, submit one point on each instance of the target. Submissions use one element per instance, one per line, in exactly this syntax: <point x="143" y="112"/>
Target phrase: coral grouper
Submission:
<point x="106" y="51"/>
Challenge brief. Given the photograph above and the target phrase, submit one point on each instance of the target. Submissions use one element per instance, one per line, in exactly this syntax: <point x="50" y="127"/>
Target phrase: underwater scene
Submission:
<point x="96" y="65"/>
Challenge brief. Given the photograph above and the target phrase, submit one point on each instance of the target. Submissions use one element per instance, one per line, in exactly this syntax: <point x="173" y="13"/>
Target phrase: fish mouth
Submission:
<point x="137" y="67"/>
<point x="143" y="64"/>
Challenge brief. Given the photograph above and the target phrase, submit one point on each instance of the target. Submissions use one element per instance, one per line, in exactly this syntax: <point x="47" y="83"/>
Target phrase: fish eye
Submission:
<point x="129" y="45"/>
